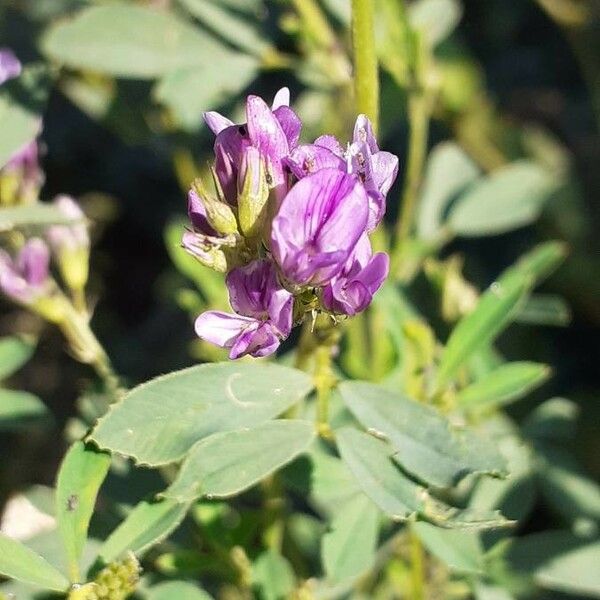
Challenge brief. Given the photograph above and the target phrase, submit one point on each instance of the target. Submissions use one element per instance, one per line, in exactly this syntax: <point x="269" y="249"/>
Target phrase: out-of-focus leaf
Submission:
<point x="558" y="560"/>
<point x="540" y="262"/>
<point x="273" y="576"/>
<point x="512" y="197"/>
<point x="424" y="441"/>
<point x="554" y="420"/>
<point x="14" y="353"/>
<point x="460" y="550"/>
<point x="491" y="592"/>
<point x="544" y="309"/>
<point x="146" y="525"/>
<point x="449" y="171"/>
<point x="237" y="30"/>
<point x="348" y="548"/>
<point x="128" y="40"/>
<point x="437" y="19"/>
<point x="22" y="102"/>
<point x="494" y="311"/>
<point x="177" y="590"/>
<point x="30" y="215"/>
<point x="341" y="9"/>
<point x="226" y="464"/>
<point x="505" y="384"/>
<point x="19" y="562"/>
<point x="81" y="474"/>
<point x="190" y="91"/>
<point x="18" y="409"/>
<point x="158" y="422"/>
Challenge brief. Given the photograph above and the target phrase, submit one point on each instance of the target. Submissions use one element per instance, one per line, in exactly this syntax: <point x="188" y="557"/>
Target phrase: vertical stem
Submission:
<point x="366" y="77"/>
<point x="417" y="567"/>
<point x="418" y="114"/>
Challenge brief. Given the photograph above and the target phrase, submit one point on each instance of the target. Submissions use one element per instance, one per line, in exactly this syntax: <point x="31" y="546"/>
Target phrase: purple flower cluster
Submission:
<point x="289" y="223"/>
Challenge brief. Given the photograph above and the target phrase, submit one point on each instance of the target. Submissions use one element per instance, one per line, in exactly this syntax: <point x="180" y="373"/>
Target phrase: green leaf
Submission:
<point x="19" y="562"/>
<point x="494" y="311"/>
<point x="18" y="409"/>
<point x="31" y="215"/>
<point x="449" y="171"/>
<point x="541" y="262"/>
<point x="159" y="421"/>
<point x="191" y="91"/>
<point x="544" y="309"/>
<point x="177" y="590"/>
<point x="505" y="384"/>
<point x="437" y="19"/>
<point x="424" y="441"/>
<point x="462" y="551"/>
<point x="273" y="576"/>
<point x="22" y="102"/>
<point x="127" y="40"/>
<point x="226" y="464"/>
<point x="14" y="353"/>
<point x="148" y="524"/>
<point x="240" y="31"/>
<point x="81" y="474"/>
<point x="554" y="420"/>
<point x="348" y="548"/>
<point x="511" y="197"/>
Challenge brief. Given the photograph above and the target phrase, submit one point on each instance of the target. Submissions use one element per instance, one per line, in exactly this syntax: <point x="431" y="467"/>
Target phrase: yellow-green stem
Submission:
<point x="417" y="560"/>
<point x="366" y="76"/>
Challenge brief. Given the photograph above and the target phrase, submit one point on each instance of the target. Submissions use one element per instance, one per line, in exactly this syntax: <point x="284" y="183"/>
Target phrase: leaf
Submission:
<point x="511" y="197"/>
<point x="18" y="409"/>
<point x="541" y="262"/>
<point x="22" y="101"/>
<point x="127" y="40"/>
<point x="19" y="562"/>
<point x="544" y="309"/>
<point x="14" y="353"/>
<point x="505" y="384"/>
<point x="81" y="474"/>
<point x="449" y="171"/>
<point x="179" y="590"/>
<point x="494" y="311"/>
<point x="424" y="442"/>
<point x="348" y="548"/>
<point x="30" y="215"/>
<point x="273" y="575"/>
<point x="226" y="464"/>
<point x="240" y="31"/>
<point x="191" y="91"/>
<point x="369" y="461"/>
<point x="148" y="524"/>
<point x="554" y="420"/>
<point x="437" y="19"/>
<point x="158" y="422"/>
<point x="460" y="550"/>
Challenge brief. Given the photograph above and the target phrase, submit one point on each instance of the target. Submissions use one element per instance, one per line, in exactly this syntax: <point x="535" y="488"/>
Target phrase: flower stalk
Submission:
<point x="366" y="77"/>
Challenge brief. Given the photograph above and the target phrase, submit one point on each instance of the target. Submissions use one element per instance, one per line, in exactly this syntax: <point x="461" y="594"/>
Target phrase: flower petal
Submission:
<point x="331" y="143"/>
<point x="282" y="98"/>
<point x="259" y="341"/>
<point x="310" y="158"/>
<point x="290" y="123"/>
<point x="10" y="66"/>
<point x="221" y="328"/>
<point x="33" y="262"/>
<point x="363" y="133"/>
<point x="384" y="169"/>
<point x="216" y="121"/>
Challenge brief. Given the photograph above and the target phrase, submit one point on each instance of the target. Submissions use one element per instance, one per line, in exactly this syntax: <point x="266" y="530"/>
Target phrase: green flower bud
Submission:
<point x="253" y="193"/>
<point x="219" y="214"/>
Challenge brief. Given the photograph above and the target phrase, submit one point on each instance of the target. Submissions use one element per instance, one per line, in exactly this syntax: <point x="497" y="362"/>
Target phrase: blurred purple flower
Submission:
<point x="69" y="237"/>
<point x="318" y="225"/>
<point x="26" y="277"/>
<point x="352" y="290"/>
<point x="23" y="168"/>
<point x="10" y="66"/>
<point x="273" y="131"/>
<point x="264" y="313"/>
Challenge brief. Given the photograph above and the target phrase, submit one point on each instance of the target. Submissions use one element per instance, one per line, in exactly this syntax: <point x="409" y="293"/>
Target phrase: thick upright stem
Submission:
<point x="366" y="77"/>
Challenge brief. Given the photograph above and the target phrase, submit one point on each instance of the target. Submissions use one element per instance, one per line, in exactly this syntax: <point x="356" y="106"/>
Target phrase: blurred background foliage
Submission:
<point x="513" y="91"/>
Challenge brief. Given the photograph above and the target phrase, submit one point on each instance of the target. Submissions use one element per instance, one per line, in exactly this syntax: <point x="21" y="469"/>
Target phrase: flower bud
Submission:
<point x="21" y="178"/>
<point x="71" y="244"/>
<point x="212" y="252"/>
<point x="218" y="214"/>
<point x="253" y="193"/>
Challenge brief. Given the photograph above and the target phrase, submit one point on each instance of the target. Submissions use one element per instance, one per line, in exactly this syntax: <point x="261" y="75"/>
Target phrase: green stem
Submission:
<point x="366" y="76"/>
<point x="324" y="381"/>
<point x="417" y="567"/>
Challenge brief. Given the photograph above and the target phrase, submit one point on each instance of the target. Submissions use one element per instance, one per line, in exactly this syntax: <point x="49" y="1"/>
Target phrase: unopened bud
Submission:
<point x="253" y="193"/>
<point x="218" y="214"/>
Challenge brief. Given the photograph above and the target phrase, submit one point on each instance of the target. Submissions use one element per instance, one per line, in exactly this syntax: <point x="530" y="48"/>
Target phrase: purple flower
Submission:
<point x="26" y="278"/>
<point x="73" y="237"/>
<point x="318" y="225"/>
<point x="23" y="169"/>
<point x="273" y="131"/>
<point x="264" y="313"/>
<point x="352" y="290"/>
<point x="10" y="67"/>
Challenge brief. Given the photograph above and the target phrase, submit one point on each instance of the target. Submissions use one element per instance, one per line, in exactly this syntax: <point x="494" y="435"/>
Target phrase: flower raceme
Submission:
<point x="289" y="223"/>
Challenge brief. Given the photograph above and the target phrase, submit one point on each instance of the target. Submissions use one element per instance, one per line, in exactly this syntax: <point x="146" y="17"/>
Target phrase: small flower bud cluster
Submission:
<point x="289" y="224"/>
<point x="117" y="581"/>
